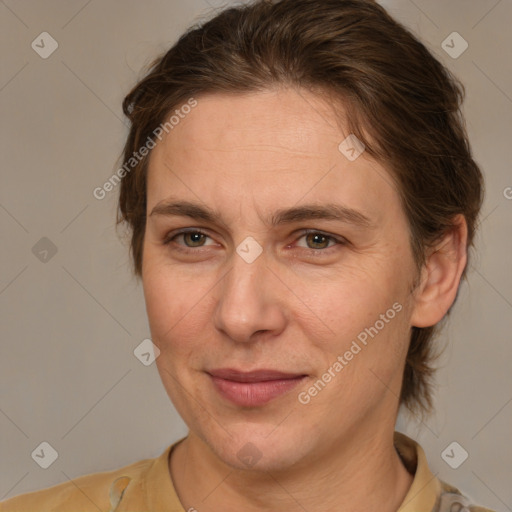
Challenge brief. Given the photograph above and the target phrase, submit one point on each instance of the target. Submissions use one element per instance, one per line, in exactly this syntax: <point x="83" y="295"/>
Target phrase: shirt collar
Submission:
<point x="426" y="487"/>
<point x="422" y="495"/>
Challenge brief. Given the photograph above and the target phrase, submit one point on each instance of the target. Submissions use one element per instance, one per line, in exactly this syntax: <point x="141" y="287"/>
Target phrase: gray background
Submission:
<point x="68" y="375"/>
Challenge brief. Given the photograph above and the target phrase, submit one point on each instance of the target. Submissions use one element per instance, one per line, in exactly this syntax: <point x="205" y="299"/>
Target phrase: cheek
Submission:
<point x="160" y="302"/>
<point x="367" y="315"/>
<point x="347" y="302"/>
<point x="175" y="307"/>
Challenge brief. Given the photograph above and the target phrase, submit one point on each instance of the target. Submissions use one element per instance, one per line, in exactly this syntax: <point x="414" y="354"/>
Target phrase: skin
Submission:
<point x="296" y="308"/>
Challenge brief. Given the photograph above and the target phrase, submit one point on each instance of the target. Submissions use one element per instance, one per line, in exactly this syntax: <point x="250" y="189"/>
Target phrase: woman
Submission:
<point x="302" y="197"/>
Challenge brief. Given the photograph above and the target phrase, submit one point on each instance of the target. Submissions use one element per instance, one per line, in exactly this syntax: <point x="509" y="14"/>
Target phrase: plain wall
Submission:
<point x="69" y="325"/>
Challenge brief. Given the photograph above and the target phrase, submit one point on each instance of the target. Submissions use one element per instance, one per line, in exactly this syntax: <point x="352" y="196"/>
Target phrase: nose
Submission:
<point x="250" y="301"/>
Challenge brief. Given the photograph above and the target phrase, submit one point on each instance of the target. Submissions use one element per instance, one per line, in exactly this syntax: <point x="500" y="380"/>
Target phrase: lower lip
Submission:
<point x="254" y="394"/>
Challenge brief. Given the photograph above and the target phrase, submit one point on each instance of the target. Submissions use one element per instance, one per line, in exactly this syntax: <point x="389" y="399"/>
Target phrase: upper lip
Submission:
<point x="260" y="375"/>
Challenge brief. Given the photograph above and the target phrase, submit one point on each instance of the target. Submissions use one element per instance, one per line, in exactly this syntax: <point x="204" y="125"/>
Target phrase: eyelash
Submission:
<point x="170" y="238"/>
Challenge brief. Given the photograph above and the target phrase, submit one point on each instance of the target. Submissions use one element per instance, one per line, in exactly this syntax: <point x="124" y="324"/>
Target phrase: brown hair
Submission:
<point x="401" y="102"/>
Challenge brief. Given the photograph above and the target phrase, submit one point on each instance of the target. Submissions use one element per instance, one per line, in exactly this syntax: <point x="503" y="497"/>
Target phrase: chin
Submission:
<point x="260" y="448"/>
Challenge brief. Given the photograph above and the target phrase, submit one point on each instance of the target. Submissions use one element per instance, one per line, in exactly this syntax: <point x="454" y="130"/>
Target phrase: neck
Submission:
<point x="362" y="472"/>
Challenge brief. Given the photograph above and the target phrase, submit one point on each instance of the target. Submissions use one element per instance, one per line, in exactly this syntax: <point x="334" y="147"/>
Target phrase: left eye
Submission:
<point x="319" y="238"/>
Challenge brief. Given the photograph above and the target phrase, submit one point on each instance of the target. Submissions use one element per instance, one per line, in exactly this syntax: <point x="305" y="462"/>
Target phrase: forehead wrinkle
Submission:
<point x="263" y="148"/>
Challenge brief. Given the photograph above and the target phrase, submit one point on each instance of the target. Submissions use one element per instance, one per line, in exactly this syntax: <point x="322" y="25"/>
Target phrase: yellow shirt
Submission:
<point x="146" y="486"/>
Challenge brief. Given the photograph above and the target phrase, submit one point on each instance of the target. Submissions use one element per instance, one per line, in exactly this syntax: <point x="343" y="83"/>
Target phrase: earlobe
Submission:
<point x="440" y="277"/>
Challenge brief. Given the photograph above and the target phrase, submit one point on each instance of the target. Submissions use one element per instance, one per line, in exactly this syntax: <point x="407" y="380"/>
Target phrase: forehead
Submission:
<point x="271" y="148"/>
<point x="281" y="120"/>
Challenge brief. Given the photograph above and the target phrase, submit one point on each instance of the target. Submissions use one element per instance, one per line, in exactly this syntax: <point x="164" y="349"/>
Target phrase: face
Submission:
<point x="268" y="282"/>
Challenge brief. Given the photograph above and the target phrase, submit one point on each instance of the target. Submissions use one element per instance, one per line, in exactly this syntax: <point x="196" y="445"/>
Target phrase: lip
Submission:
<point x="254" y="388"/>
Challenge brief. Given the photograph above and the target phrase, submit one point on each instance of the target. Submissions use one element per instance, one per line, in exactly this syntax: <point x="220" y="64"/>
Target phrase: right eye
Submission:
<point x="195" y="236"/>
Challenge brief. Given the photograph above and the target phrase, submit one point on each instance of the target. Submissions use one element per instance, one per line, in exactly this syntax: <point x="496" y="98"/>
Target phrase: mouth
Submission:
<point x="254" y="388"/>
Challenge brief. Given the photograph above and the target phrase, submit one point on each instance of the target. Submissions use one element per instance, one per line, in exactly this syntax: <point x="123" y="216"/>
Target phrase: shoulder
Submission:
<point x="452" y="499"/>
<point x="93" y="492"/>
<point x="427" y="492"/>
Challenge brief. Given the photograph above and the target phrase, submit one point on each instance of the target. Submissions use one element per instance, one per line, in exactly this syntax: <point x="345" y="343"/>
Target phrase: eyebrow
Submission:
<point x="306" y="212"/>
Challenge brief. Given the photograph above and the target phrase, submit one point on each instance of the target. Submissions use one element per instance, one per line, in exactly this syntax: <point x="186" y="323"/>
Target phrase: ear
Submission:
<point x="440" y="276"/>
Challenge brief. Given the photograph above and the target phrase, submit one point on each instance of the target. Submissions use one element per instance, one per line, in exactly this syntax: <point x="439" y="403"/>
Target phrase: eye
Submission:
<point x="318" y="240"/>
<point x="194" y="236"/>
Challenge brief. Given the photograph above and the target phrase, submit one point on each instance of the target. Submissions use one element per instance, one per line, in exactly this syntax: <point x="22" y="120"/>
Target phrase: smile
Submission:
<point x="253" y="389"/>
